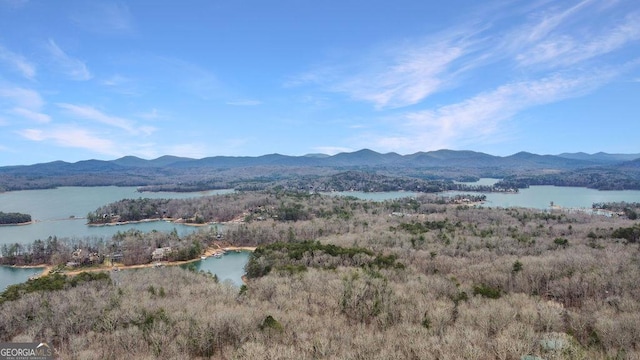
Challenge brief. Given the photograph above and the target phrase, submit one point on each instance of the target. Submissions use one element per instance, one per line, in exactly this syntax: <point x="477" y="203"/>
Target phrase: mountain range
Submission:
<point x="600" y="170"/>
<point x="359" y="159"/>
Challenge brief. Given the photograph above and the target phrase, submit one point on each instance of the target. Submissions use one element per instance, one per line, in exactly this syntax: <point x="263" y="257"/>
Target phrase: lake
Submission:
<point x="537" y="197"/>
<point x="60" y="212"/>
<point x="482" y="181"/>
<point x="229" y="267"/>
<point x="541" y="196"/>
<point x="10" y="275"/>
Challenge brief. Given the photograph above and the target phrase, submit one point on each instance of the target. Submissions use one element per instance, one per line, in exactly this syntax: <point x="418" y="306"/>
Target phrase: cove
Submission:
<point x="229" y="267"/>
<point x="60" y="212"/>
<point x="541" y="196"/>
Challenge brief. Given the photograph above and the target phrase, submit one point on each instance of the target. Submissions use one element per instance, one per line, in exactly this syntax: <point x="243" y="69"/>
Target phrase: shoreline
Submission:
<point x="19" y="224"/>
<point x="211" y="251"/>
<point x="171" y="220"/>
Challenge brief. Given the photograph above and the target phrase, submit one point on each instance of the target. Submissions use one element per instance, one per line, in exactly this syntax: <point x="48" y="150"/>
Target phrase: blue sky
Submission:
<point x="104" y="79"/>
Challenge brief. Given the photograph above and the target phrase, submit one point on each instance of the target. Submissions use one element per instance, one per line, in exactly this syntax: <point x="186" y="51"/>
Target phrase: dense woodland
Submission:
<point x="595" y="178"/>
<point x="13" y="218"/>
<point x="338" y="277"/>
<point x="362" y="170"/>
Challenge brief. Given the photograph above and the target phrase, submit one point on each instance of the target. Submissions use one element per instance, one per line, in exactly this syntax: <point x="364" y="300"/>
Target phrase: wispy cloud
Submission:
<point x="551" y="52"/>
<point x="550" y="21"/>
<point x="104" y="17"/>
<point x="566" y="49"/>
<point x="18" y="63"/>
<point x="22" y="97"/>
<point x="397" y="76"/>
<point x="122" y="85"/>
<point x="483" y="116"/>
<point x="32" y="115"/>
<point x="72" y="67"/>
<point x="407" y="79"/>
<point x="149" y="115"/>
<point x="553" y="37"/>
<point x="116" y="80"/>
<point x="73" y="137"/>
<point x="93" y="114"/>
<point x="25" y="103"/>
<point x="244" y="102"/>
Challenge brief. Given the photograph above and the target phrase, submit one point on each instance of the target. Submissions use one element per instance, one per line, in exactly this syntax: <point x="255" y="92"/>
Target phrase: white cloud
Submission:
<point x="396" y="76"/>
<point x="91" y="113"/>
<point x="22" y="97"/>
<point x="147" y="130"/>
<point x="407" y="79"/>
<point x="116" y="80"/>
<point x="565" y="49"/>
<point x="25" y="103"/>
<point x="550" y="35"/>
<point x="72" y="67"/>
<point x="123" y="85"/>
<point x="74" y="138"/>
<point x="18" y="62"/>
<point x="551" y="21"/>
<point x="32" y="115"/>
<point x="32" y="134"/>
<point x="483" y="116"/>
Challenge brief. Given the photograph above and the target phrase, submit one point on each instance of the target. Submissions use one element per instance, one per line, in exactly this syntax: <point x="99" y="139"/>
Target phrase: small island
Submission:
<point x="14" y="218"/>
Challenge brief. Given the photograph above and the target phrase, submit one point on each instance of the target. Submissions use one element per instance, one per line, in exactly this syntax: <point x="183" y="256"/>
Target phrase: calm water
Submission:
<point x="540" y="197"/>
<point x="228" y="267"/>
<point x="10" y="276"/>
<point x="537" y="197"/>
<point x="56" y="211"/>
<point x="482" y="181"/>
<point x="60" y="212"/>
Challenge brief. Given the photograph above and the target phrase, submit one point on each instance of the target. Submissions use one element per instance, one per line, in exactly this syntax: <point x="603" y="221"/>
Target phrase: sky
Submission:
<point x="197" y="78"/>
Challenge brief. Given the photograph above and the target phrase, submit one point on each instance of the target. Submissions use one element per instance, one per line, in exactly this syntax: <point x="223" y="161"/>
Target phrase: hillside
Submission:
<point x="231" y="171"/>
<point x="341" y="278"/>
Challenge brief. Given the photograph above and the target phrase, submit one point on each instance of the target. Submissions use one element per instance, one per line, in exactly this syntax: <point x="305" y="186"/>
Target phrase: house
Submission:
<point x="160" y="253"/>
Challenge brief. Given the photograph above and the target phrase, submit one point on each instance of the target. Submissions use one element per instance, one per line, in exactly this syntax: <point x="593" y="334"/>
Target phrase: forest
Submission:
<point x="13" y="218"/>
<point x="362" y="170"/>
<point x="594" y="178"/>
<point x="337" y="277"/>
